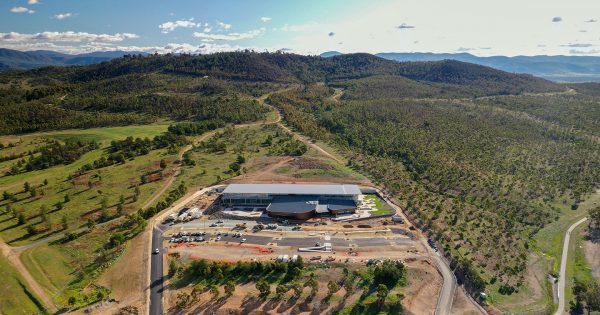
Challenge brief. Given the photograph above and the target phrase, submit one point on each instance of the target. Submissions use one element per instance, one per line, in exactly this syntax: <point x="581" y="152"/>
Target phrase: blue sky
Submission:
<point x="509" y="27"/>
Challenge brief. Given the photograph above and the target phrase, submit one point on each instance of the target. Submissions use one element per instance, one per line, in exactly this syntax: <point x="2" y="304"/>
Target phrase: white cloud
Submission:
<point x="21" y="10"/>
<point x="231" y="36"/>
<point x="224" y="26"/>
<point x="171" y="26"/>
<point x="65" y="37"/>
<point x="265" y="19"/>
<point x="331" y="34"/>
<point x="62" y="16"/>
<point x="557" y="19"/>
<point x="33" y="2"/>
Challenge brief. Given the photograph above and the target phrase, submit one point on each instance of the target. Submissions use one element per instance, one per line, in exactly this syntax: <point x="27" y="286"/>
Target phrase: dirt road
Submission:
<point x="39" y="292"/>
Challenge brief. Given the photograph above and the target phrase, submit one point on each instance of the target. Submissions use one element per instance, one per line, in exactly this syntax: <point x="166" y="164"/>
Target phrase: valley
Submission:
<point x="490" y="168"/>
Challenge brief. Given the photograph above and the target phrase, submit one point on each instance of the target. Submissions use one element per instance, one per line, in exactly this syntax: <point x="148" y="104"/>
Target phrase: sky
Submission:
<point x="479" y="27"/>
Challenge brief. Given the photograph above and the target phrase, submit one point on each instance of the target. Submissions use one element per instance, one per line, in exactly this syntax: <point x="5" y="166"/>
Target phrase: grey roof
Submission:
<point x="338" y="204"/>
<point x="293" y="189"/>
<point x="292" y="205"/>
<point x="302" y="204"/>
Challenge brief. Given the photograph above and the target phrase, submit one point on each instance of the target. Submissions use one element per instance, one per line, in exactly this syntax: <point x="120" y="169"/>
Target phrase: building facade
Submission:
<point x="300" y="201"/>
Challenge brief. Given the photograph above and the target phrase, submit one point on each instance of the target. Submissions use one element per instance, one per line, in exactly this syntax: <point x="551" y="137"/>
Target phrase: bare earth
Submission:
<point x="592" y="253"/>
<point x="462" y="305"/>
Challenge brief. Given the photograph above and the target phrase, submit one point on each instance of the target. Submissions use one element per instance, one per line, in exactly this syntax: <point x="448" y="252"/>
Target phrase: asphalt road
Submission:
<point x="563" y="268"/>
<point x="446" y="298"/>
<point x="308" y="241"/>
<point x="156" y="273"/>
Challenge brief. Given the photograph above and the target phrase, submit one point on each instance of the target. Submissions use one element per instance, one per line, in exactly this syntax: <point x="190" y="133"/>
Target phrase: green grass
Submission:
<point x="15" y="297"/>
<point x="85" y="202"/>
<point x="49" y="267"/>
<point x="382" y="207"/>
<point x="577" y="267"/>
<point x="548" y="241"/>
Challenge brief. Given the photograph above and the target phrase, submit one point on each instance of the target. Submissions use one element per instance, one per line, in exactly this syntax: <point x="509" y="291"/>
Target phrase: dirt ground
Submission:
<point x="424" y="282"/>
<point x="424" y="287"/>
<point x="592" y="253"/>
<point x="127" y="278"/>
<point x="263" y="169"/>
<point x="462" y="305"/>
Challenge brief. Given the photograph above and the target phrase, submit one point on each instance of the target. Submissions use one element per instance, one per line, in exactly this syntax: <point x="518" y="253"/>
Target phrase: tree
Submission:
<point x="163" y="164"/>
<point x="121" y="199"/>
<point x="263" y="287"/>
<point x="297" y="287"/>
<point x="196" y="291"/>
<point x="382" y="293"/>
<point x="348" y="285"/>
<point x="119" y="210"/>
<point x="229" y="288"/>
<point x="45" y="182"/>
<point x="183" y="299"/>
<point x="90" y="224"/>
<point x="67" y="198"/>
<point x="280" y="291"/>
<point x="43" y="212"/>
<point x="173" y="268"/>
<point x="31" y="230"/>
<point x="389" y="273"/>
<point x="64" y="222"/>
<point x="332" y="287"/>
<point x="234" y="167"/>
<point x="214" y="290"/>
<point x="240" y="159"/>
<point x="26" y="187"/>
<point x="595" y="217"/>
<point x="21" y="219"/>
<point x="32" y="192"/>
<point x="116" y="239"/>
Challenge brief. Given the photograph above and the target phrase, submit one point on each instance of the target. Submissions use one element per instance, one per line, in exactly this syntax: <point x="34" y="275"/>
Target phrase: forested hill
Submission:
<point x="138" y="88"/>
<point x="291" y="68"/>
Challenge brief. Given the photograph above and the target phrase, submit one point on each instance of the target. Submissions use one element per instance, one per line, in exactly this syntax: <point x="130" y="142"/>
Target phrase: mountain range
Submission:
<point x="15" y="59"/>
<point x="556" y="68"/>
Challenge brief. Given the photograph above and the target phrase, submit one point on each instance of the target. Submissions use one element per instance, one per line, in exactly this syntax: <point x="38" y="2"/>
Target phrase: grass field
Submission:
<point x="382" y="207"/>
<point x="578" y="268"/>
<point x="106" y="183"/>
<point x="69" y="269"/>
<point x="15" y="297"/>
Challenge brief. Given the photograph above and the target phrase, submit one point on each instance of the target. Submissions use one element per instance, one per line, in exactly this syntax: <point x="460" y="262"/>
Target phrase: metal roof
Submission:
<point x="292" y="205"/>
<point x="303" y="204"/>
<point x="293" y="189"/>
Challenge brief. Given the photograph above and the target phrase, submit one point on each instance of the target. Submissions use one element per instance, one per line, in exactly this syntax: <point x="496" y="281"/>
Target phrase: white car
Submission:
<point x="218" y="238"/>
<point x="156" y="251"/>
<point x="243" y="240"/>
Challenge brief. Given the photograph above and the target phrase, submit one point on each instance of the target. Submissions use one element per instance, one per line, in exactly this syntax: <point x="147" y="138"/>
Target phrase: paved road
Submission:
<point x="156" y="273"/>
<point x="563" y="268"/>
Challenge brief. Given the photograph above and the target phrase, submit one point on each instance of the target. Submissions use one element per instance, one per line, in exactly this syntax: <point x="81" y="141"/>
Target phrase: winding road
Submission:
<point x="563" y="268"/>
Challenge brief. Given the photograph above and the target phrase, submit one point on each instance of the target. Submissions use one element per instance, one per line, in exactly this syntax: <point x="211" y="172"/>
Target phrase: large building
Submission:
<point x="299" y="201"/>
